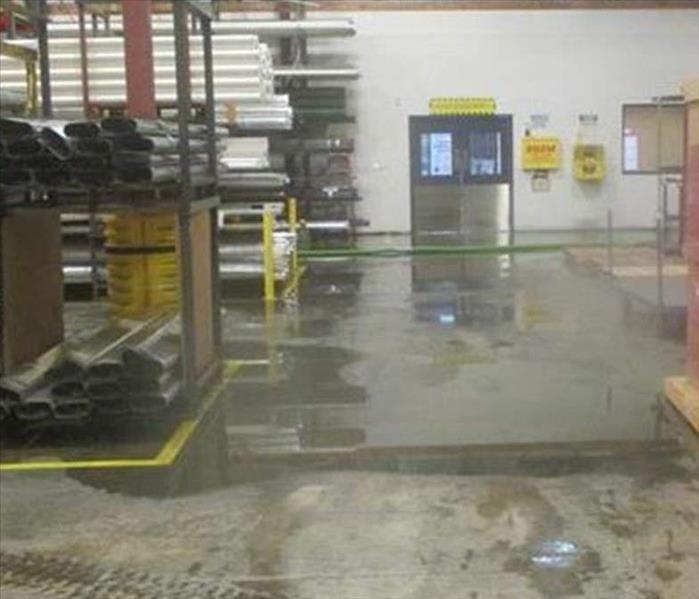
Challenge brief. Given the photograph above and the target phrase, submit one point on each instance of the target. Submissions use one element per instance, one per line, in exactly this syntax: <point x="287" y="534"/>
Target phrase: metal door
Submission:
<point x="461" y="180"/>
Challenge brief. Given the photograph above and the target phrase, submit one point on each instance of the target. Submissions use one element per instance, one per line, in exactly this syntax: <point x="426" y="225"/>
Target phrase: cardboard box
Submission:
<point x="31" y="286"/>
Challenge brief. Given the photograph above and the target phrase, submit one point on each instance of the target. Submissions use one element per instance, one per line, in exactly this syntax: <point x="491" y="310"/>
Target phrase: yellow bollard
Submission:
<point x="268" y="253"/>
<point x="293" y="228"/>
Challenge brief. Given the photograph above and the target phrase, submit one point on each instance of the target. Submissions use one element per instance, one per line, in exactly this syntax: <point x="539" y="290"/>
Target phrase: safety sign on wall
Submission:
<point x="456" y="105"/>
<point x="541" y="153"/>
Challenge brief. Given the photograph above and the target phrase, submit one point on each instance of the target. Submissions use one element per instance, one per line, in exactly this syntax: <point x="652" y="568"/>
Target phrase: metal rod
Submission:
<point x="82" y="129"/>
<point x="56" y="141"/>
<point x="210" y="113"/>
<point x="317" y="73"/>
<point x="188" y="337"/>
<point x="84" y="74"/>
<point x="42" y="35"/>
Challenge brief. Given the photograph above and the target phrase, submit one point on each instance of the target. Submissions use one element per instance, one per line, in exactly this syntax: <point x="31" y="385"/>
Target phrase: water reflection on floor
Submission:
<point x="444" y="351"/>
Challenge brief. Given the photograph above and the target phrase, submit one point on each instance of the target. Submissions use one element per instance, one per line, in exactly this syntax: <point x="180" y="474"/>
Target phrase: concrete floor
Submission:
<point x="554" y="475"/>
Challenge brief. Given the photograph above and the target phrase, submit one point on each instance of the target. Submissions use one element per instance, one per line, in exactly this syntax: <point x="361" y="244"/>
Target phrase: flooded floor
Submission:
<point x="409" y="428"/>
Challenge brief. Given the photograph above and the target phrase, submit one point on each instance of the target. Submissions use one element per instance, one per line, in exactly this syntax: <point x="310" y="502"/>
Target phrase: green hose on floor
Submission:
<point x="439" y="250"/>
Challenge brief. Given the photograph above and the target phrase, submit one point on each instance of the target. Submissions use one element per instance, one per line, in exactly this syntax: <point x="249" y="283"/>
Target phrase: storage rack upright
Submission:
<point x="200" y="353"/>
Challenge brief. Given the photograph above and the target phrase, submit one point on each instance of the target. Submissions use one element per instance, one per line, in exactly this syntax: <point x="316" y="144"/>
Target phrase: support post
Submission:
<point x="268" y="254"/>
<point x="138" y="58"/>
<point x="180" y="16"/>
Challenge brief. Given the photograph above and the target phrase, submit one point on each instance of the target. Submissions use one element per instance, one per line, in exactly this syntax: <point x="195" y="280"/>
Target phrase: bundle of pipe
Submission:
<point x="52" y="153"/>
<point x="242" y="69"/>
<point x="231" y="24"/>
<point x="32" y="152"/>
<point x="244" y="154"/>
<point x="142" y="377"/>
<point x="253" y="181"/>
<point x="96" y="373"/>
<point x="273" y="114"/>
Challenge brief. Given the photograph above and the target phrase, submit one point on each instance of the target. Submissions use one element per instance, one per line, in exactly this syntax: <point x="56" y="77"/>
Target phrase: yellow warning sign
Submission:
<point x="541" y="153"/>
<point x="462" y="106"/>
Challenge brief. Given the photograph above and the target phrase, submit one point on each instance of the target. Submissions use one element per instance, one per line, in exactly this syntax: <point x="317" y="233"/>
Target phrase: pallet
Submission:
<point x="638" y="261"/>
<point x="684" y="395"/>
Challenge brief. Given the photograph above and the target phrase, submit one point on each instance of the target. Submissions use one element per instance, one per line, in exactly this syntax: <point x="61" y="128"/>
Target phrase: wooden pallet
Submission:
<point x="638" y="261"/>
<point x="684" y="395"/>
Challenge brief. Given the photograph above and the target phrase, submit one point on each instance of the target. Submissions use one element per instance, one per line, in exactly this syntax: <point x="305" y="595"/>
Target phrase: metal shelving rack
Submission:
<point x="329" y="210"/>
<point x="186" y="201"/>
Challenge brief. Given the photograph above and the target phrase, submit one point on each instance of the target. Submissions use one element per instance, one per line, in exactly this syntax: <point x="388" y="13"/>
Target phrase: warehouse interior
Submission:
<point x="358" y="299"/>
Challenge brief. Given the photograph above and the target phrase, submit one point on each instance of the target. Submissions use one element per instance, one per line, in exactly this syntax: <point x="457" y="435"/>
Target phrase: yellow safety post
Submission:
<point x="32" y="107"/>
<point x="293" y="229"/>
<point x="268" y="253"/>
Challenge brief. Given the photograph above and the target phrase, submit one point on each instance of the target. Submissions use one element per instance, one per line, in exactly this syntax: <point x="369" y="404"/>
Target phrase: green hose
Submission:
<point x="439" y="250"/>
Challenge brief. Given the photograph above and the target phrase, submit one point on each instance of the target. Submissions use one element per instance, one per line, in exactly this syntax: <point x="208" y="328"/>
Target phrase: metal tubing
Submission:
<point x="82" y="129"/>
<point x="154" y="402"/>
<point x="99" y="178"/>
<point x="133" y="126"/>
<point x="286" y="28"/>
<point x="5" y="410"/>
<point x="56" y="141"/>
<point x="158" y="174"/>
<point x="84" y="74"/>
<point x="14" y="176"/>
<point x="16" y="128"/>
<point x="53" y="177"/>
<point x="184" y="96"/>
<point x="34" y="409"/>
<point x="93" y="147"/>
<point x="136" y="143"/>
<point x="77" y="408"/>
<point x="29" y="146"/>
<point x="317" y="73"/>
<point x="88" y="162"/>
<point x="44" y="65"/>
<point x="154" y="356"/>
<point x="107" y="369"/>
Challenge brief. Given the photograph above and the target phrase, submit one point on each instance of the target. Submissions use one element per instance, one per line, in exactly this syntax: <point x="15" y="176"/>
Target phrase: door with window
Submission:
<point x="461" y="180"/>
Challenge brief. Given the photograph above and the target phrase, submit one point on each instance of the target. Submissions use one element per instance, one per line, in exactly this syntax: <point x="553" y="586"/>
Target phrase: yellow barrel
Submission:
<point x="142" y="263"/>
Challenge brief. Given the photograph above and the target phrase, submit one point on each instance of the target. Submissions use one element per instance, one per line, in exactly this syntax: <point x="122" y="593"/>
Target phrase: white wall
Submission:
<point x="562" y="63"/>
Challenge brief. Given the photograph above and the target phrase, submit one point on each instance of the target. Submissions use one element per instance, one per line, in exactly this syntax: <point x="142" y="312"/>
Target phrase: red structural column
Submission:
<point x="138" y="58"/>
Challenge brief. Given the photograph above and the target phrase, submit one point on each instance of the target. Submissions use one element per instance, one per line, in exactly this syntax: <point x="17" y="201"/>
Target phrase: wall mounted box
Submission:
<point x="589" y="162"/>
<point x="541" y="153"/>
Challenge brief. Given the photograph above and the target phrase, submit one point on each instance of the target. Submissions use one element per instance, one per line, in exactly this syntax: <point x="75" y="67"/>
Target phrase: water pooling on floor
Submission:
<point x="448" y="351"/>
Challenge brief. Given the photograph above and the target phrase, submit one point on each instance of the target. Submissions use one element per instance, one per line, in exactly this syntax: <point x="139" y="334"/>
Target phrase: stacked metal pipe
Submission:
<point x="243" y="72"/>
<point x="125" y="368"/>
<point x="90" y="153"/>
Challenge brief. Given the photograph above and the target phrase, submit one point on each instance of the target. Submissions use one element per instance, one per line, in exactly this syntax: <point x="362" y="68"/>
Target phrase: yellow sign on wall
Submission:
<point x="541" y="153"/>
<point x="457" y="105"/>
<point x="589" y="163"/>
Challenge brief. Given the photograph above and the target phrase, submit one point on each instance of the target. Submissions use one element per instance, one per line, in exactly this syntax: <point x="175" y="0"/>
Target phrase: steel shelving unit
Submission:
<point x="188" y="200"/>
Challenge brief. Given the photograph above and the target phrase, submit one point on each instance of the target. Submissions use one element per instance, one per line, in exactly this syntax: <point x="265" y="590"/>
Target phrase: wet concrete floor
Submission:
<point x="408" y="428"/>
